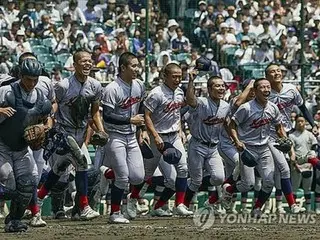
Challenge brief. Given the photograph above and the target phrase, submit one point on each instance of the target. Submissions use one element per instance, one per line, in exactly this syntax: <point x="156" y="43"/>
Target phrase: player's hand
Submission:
<point x="315" y="130"/>
<point x="240" y="146"/>
<point x="7" y="112"/>
<point x="137" y="120"/>
<point x="193" y="75"/>
<point x="144" y="136"/>
<point x="159" y="143"/>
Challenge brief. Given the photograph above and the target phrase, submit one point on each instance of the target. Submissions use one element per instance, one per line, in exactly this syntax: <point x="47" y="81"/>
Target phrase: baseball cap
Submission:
<point x="203" y="64"/>
<point x="202" y="2"/>
<point x="146" y="150"/>
<point x="291" y="29"/>
<point x="170" y="154"/>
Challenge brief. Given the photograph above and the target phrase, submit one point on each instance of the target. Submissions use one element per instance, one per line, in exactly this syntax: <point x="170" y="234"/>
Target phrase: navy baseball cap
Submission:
<point x="203" y="64"/>
<point x="146" y="150"/>
<point x="170" y="154"/>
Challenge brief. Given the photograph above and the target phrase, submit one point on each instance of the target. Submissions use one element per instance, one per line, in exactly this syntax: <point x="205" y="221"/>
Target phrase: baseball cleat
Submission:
<point x="159" y="212"/>
<point x="36" y="221"/>
<point x="142" y="207"/>
<point x="132" y="206"/>
<point x="280" y="210"/>
<point x="226" y="198"/>
<point x="295" y="209"/>
<point x="15" y="226"/>
<point x="118" y="218"/>
<point x="60" y="215"/>
<point x="257" y="213"/>
<point x="27" y="214"/>
<point x="182" y="210"/>
<point x="88" y="213"/>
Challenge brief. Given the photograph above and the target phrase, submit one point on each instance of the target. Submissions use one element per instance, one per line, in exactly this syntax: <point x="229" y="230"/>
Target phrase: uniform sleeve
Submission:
<point x="152" y="101"/>
<point x="240" y="115"/>
<point x="60" y="91"/>
<point x="298" y="100"/>
<point x="313" y="139"/>
<point x="3" y="91"/>
<point x="51" y="93"/>
<point x="109" y="97"/>
<point x="277" y="116"/>
<point x="98" y="92"/>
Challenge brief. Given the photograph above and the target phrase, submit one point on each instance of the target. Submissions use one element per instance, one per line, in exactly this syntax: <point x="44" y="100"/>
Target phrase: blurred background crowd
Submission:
<point x="239" y="36"/>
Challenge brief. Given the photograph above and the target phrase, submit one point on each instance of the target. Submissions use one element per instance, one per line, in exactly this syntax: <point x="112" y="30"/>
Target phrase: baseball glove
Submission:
<point x="35" y="136"/>
<point x="283" y="144"/>
<point x="99" y="139"/>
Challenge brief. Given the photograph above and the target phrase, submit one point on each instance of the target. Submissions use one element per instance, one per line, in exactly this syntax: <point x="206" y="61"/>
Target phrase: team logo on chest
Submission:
<point x="212" y="120"/>
<point x="128" y="102"/>
<point x="256" y="123"/>
<point x="171" y="106"/>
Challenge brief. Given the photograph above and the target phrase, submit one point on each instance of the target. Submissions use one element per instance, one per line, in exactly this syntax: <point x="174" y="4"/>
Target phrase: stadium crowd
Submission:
<point x="239" y="37"/>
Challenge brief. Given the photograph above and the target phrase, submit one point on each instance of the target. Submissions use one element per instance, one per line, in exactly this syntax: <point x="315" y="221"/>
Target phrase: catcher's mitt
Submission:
<point x="99" y="139"/>
<point x="283" y="144"/>
<point x="35" y="136"/>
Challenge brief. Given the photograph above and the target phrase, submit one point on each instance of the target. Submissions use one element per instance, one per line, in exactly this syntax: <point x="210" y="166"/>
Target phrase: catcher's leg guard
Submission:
<point x="57" y="199"/>
<point x="25" y="185"/>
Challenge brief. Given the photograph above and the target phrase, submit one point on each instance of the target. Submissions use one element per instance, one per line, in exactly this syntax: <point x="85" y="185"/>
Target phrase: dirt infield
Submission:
<point x="164" y="228"/>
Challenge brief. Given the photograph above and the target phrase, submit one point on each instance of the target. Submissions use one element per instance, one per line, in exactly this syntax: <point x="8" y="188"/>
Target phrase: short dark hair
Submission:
<point x="78" y="52"/>
<point x="125" y="59"/>
<point x="256" y="82"/>
<point x="299" y="116"/>
<point x="26" y="55"/>
<point x="211" y="79"/>
<point x="269" y="65"/>
<point x="169" y="67"/>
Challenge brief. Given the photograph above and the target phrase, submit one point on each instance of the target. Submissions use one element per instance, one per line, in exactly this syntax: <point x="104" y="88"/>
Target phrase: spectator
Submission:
<point x="266" y="35"/>
<point x="26" y="26"/>
<point x="74" y="33"/>
<point x="60" y="44"/>
<point x="121" y="41"/>
<point x="264" y="54"/>
<point x="10" y="12"/>
<point x="170" y="31"/>
<point x="244" y="55"/>
<point x="201" y="13"/>
<point x="21" y="44"/>
<point x="221" y="9"/>
<point x="282" y="53"/>
<point x="163" y="59"/>
<point x="15" y="26"/>
<point x="256" y="26"/>
<point x="5" y="63"/>
<point x="102" y="40"/>
<point x="180" y="44"/>
<point x="245" y="32"/>
<point x="39" y="11"/>
<point x="45" y="29"/>
<point x="4" y="21"/>
<point x="224" y="38"/>
<point x="139" y="45"/>
<point x="109" y="26"/>
<point x="277" y="29"/>
<point x="110" y="12"/>
<point x="93" y="13"/>
<point x="161" y="44"/>
<point x="52" y="12"/>
<point x="66" y="24"/>
<point x="100" y="60"/>
<point x="75" y="12"/>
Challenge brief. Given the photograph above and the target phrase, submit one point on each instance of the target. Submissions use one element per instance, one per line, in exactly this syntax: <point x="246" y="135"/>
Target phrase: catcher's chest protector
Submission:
<point x="12" y="129"/>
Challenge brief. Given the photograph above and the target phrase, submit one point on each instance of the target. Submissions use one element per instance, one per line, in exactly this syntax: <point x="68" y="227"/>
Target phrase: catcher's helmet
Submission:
<point x="31" y="67"/>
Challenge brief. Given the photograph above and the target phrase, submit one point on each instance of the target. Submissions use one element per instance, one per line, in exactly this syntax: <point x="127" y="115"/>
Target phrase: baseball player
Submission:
<point x="45" y="86"/>
<point x="22" y="105"/>
<point x="75" y="96"/>
<point x="207" y="118"/>
<point x="122" y="115"/>
<point x="304" y="144"/>
<point x="162" y="115"/>
<point x="250" y="127"/>
<point x="285" y="96"/>
<point x="226" y="147"/>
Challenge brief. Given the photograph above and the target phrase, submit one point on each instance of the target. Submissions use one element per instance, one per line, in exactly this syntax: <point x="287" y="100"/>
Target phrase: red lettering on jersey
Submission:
<point x="211" y="120"/>
<point x="256" y="123"/>
<point x="129" y="102"/>
<point x="284" y="105"/>
<point x="171" y="106"/>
